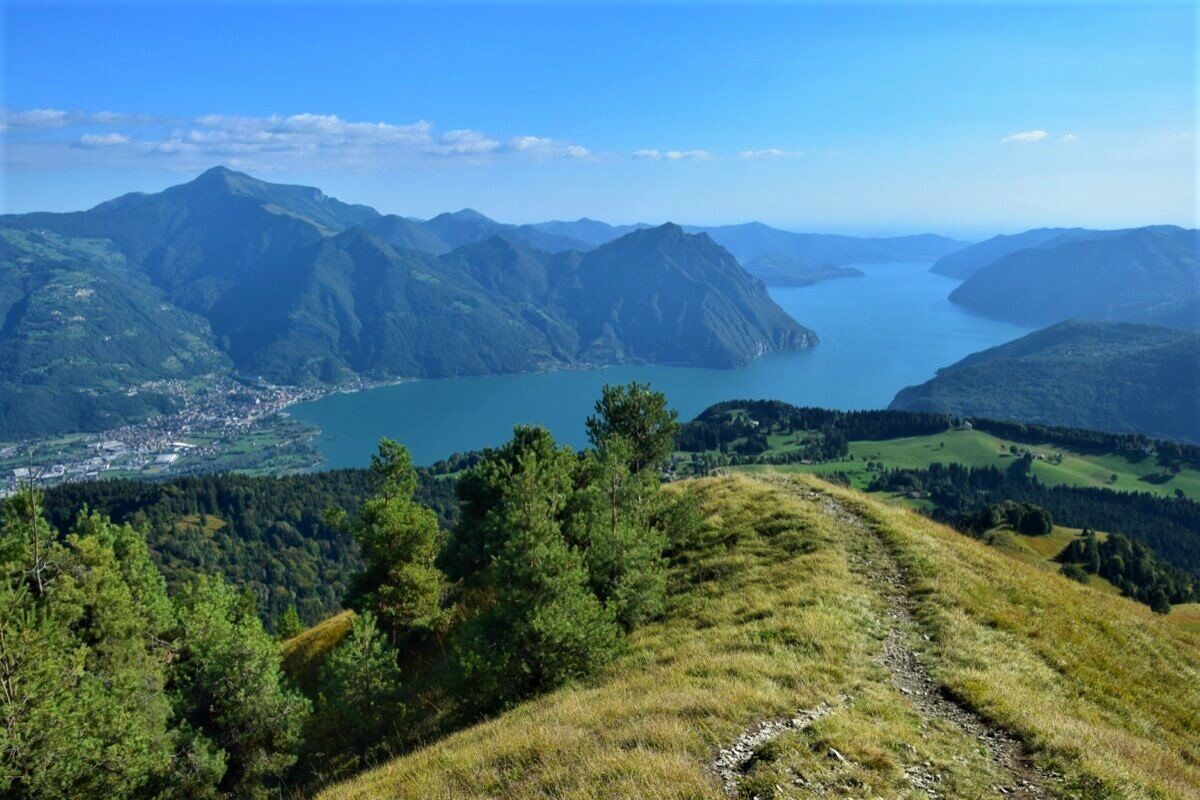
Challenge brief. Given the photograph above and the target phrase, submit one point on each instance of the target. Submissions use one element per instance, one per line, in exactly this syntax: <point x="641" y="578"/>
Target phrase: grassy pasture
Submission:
<point x="1058" y="466"/>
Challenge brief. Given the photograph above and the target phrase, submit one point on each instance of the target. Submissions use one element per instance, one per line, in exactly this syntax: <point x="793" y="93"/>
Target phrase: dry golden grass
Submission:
<point x="772" y="618"/>
<point x="1187" y="616"/>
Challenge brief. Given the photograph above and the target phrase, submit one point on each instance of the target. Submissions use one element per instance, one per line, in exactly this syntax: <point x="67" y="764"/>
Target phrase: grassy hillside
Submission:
<point x="809" y="650"/>
<point x="304" y="652"/>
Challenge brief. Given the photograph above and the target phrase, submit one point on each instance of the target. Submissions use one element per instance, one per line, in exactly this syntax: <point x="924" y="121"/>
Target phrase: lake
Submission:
<point x="879" y="333"/>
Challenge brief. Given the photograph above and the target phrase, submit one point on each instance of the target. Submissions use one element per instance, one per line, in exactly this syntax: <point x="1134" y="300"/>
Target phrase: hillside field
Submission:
<point x="978" y="449"/>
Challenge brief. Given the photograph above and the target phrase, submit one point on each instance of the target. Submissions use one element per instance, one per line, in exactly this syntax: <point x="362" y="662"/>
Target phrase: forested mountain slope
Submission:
<point x="1106" y="376"/>
<point x="774" y="269"/>
<point x="666" y="296"/>
<point x="817" y="640"/>
<point x="1140" y="275"/>
<point x="86" y="341"/>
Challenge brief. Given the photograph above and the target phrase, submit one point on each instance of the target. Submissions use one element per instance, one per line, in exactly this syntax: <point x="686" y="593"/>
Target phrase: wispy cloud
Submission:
<point x="35" y="118"/>
<point x="103" y="140"/>
<point x="672" y="155"/>
<point x="768" y="153"/>
<point x="539" y="145"/>
<point x="268" y="142"/>
<point x="1068" y="138"/>
<point x="1025" y="137"/>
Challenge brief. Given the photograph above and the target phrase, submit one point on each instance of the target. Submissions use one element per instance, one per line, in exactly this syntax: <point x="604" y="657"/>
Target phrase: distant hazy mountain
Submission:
<point x="285" y="283"/>
<point x="469" y="226"/>
<point x="590" y="231"/>
<point x="969" y="260"/>
<point x="1109" y="376"/>
<point x="406" y="234"/>
<point x="778" y="270"/>
<point x="1138" y="275"/>
<point x="753" y="239"/>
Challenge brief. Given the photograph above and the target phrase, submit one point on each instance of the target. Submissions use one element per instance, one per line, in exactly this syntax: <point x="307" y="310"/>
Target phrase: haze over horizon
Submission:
<point x="955" y="119"/>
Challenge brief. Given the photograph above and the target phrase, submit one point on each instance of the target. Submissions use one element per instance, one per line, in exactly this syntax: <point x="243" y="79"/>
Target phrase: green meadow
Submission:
<point x="1056" y="465"/>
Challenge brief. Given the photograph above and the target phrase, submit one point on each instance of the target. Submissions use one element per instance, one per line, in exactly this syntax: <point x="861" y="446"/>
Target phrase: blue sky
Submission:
<point x="964" y="118"/>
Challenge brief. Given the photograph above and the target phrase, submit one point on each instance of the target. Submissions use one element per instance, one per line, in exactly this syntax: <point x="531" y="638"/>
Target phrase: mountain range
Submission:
<point x="1109" y="376"/>
<point x="284" y="283"/>
<point x="775" y="256"/>
<point x="753" y="239"/>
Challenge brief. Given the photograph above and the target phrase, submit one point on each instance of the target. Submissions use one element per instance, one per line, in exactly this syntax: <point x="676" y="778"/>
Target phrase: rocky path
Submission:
<point x="731" y="762"/>
<point x="1023" y="779"/>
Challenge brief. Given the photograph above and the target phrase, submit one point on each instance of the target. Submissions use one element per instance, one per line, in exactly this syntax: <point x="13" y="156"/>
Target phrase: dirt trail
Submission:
<point x="1024" y="779"/>
<point x="871" y="558"/>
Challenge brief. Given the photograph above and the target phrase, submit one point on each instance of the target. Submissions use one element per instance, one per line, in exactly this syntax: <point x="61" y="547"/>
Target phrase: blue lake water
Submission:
<point x="879" y="333"/>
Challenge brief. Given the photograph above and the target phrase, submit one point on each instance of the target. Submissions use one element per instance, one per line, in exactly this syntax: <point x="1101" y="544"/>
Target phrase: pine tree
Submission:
<point x="400" y="542"/>
<point x="359" y="703"/>
<point x="613" y="523"/>
<point x="82" y="660"/>
<point x="641" y="417"/>
<point x="1159" y="603"/>
<point x="546" y="627"/>
<point x="230" y="692"/>
<point x="289" y="623"/>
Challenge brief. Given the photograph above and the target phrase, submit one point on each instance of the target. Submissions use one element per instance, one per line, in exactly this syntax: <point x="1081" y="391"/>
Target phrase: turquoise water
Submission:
<point x="879" y="333"/>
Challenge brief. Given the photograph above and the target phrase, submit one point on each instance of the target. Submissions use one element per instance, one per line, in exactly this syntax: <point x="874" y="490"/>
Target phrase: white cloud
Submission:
<point x="679" y="155"/>
<point x="271" y="142"/>
<point x="1068" y="138"/>
<point x="540" y="145"/>
<point x="58" y="118"/>
<point x="36" y="118"/>
<point x="671" y="155"/>
<point x="1025" y="137"/>
<point x="770" y="152"/>
<point x="103" y="139"/>
<point x="463" y="142"/>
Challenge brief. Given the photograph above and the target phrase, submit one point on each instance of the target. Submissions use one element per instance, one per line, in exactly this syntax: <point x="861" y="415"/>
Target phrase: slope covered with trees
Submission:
<point x="1139" y="275"/>
<point x="85" y="341"/>
<point x="779" y="270"/>
<point x="1114" y="377"/>
<point x="177" y="690"/>
<point x="268" y="537"/>
<point x="665" y="296"/>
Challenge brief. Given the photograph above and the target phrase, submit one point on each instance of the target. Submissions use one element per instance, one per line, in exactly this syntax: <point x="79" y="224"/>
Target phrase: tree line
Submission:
<point x="739" y="429"/>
